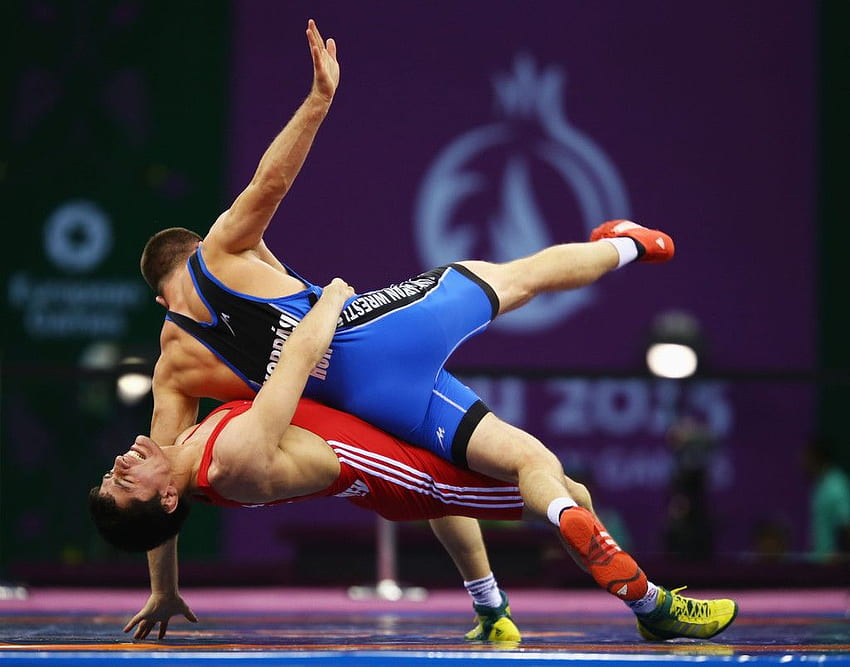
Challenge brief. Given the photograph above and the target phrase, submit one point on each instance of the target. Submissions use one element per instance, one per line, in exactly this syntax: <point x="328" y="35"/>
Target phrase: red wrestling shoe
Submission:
<point x="611" y="567"/>
<point x="654" y="246"/>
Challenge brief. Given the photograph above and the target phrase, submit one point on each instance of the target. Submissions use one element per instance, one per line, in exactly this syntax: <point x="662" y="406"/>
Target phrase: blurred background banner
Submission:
<point x="488" y="131"/>
<point x="460" y="130"/>
<point x="113" y="128"/>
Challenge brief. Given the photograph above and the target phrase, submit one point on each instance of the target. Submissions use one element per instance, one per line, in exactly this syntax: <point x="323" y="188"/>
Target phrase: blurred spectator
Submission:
<point x="829" y="503"/>
<point x="688" y="533"/>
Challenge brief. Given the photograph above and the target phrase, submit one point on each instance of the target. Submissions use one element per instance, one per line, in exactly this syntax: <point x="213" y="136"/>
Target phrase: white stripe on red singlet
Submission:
<point x="410" y="478"/>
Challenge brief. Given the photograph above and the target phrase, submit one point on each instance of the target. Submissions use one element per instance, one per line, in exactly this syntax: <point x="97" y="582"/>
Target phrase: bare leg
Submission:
<point x="506" y="452"/>
<point x="461" y="536"/>
<point x="556" y="268"/>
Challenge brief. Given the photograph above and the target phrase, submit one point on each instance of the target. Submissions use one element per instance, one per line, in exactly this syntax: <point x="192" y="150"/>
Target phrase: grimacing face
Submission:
<point x="139" y="474"/>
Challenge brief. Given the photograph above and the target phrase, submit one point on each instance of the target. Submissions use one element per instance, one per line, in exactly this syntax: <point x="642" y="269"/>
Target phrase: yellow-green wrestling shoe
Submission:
<point x="678" y="616"/>
<point x="494" y="624"/>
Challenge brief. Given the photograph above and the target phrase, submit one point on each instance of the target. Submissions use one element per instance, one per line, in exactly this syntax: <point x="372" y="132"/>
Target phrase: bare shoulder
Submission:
<point x="226" y="236"/>
<point x="217" y="234"/>
<point x="185" y="366"/>
<point x="232" y="262"/>
<point x="165" y="370"/>
<point x="177" y="348"/>
<point x="180" y="358"/>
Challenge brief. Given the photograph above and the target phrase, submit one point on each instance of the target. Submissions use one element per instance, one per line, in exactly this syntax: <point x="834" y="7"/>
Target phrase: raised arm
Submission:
<point x="242" y="226"/>
<point x="248" y="448"/>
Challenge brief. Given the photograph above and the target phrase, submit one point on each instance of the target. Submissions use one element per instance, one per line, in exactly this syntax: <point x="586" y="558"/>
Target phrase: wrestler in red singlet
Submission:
<point x="381" y="473"/>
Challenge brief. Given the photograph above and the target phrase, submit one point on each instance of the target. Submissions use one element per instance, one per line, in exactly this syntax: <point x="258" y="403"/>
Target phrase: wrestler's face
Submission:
<point x="139" y="474"/>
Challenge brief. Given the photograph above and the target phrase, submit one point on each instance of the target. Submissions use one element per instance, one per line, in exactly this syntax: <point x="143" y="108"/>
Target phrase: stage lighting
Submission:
<point x="675" y="345"/>
<point x="134" y="380"/>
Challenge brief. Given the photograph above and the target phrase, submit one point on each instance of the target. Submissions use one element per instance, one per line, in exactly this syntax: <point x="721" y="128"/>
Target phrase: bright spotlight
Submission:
<point x="133" y="387"/>
<point x="671" y="360"/>
<point x="675" y="347"/>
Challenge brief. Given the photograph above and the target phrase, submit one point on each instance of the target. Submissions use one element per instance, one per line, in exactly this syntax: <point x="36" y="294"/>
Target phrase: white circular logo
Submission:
<point x="532" y="150"/>
<point x="77" y="236"/>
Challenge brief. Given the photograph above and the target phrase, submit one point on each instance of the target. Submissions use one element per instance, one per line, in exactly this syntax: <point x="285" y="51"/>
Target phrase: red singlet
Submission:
<point x="381" y="473"/>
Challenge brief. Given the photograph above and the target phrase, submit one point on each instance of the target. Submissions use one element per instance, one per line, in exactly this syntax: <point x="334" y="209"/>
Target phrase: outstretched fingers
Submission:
<point x="159" y="611"/>
<point x="145" y="625"/>
<point x="325" y="65"/>
<point x="317" y="44"/>
<point x="313" y="31"/>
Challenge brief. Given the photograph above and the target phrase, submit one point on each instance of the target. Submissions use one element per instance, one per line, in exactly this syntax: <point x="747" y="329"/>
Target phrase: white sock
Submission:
<point x="626" y="248"/>
<point x="647" y="603"/>
<point x="556" y="507"/>
<point x="484" y="591"/>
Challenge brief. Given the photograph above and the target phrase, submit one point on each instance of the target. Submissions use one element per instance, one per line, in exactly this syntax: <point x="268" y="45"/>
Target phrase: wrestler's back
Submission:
<point x="188" y="365"/>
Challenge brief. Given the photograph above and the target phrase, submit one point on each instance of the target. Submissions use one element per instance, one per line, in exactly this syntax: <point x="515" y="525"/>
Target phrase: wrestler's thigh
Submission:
<point x="508" y="280"/>
<point x="501" y="450"/>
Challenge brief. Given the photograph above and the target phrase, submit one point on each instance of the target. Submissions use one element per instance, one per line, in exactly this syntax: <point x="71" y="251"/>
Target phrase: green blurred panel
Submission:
<point x="834" y="273"/>
<point x="112" y="116"/>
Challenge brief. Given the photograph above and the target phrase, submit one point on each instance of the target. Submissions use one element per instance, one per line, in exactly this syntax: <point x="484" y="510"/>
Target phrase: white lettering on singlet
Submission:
<point x="285" y="326"/>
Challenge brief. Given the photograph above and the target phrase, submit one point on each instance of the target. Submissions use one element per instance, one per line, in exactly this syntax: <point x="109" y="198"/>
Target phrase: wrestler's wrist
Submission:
<point x="318" y="101"/>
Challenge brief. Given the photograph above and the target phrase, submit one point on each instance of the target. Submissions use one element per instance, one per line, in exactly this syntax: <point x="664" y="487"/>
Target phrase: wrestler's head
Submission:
<point x="164" y="252"/>
<point x="136" y="507"/>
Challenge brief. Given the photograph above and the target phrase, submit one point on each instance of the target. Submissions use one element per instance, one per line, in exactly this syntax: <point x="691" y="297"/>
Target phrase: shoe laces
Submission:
<point x="695" y="610"/>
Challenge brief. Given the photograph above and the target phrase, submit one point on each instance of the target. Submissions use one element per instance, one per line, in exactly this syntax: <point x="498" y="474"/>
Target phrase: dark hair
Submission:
<point x="163" y="252"/>
<point x="141" y="526"/>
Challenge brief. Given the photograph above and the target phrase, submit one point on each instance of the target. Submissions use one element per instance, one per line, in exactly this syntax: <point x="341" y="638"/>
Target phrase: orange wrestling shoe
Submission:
<point x="611" y="567"/>
<point x="654" y="246"/>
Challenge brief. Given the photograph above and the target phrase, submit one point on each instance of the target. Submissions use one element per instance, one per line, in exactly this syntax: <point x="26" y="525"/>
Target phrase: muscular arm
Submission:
<point x="173" y="412"/>
<point x="165" y="600"/>
<point x="242" y="226"/>
<point x="174" y="408"/>
<point x="247" y="449"/>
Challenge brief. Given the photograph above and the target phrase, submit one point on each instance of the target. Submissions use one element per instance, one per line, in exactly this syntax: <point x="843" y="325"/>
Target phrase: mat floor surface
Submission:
<point x="317" y="627"/>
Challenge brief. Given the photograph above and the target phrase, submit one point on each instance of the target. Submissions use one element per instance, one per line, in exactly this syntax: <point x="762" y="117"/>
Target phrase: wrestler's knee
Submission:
<point x="536" y="456"/>
<point x="507" y="280"/>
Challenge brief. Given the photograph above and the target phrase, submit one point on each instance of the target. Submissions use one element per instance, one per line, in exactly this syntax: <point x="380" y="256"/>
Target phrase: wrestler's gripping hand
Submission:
<point x="159" y="609"/>
<point x="325" y="65"/>
<point x="339" y="290"/>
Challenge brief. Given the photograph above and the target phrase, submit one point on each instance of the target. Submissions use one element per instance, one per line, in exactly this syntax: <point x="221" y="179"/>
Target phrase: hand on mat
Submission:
<point x="159" y="609"/>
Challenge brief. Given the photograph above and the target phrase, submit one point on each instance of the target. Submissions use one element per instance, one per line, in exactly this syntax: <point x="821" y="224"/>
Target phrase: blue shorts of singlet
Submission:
<point x="386" y="360"/>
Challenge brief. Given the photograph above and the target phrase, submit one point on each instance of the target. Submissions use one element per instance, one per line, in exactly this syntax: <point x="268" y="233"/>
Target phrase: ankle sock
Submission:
<point x="627" y="248"/>
<point x="556" y="507"/>
<point x="485" y="591"/>
<point x="647" y="603"/>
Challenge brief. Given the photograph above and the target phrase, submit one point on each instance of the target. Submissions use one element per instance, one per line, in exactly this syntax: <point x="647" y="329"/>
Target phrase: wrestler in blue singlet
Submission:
<point x="385" y="362"/>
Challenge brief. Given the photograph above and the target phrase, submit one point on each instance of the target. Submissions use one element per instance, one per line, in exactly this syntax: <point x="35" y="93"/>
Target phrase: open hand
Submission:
<point x="159" y="609"/>
<point x="325" y="65"/>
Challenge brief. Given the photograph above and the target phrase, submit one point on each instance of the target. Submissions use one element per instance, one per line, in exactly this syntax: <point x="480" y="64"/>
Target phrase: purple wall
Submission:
<point x="490" y="129"/>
